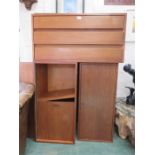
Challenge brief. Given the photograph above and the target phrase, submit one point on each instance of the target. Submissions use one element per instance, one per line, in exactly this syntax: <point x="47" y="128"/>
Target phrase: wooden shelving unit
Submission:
<point x="76" y="74"/>
<point x="56" y="100"/>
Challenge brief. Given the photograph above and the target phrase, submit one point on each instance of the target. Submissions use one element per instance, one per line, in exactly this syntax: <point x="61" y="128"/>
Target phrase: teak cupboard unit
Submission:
<point x="76" y="60"/>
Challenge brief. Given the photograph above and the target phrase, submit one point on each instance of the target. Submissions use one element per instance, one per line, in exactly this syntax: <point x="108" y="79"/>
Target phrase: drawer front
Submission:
<point x="79" y="22"/>
<point x="79" y="53"/>
<point x="58" y="123"/>
<point x="115" y="37"/>
<point x="61" y="115"/>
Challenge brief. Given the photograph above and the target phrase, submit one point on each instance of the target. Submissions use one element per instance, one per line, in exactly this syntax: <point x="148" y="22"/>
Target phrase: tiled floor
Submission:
<point x="118" y="147"/>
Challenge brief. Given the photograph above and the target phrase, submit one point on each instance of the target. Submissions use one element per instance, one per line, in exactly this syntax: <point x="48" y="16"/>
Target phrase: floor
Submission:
<point x="118" y="147"/>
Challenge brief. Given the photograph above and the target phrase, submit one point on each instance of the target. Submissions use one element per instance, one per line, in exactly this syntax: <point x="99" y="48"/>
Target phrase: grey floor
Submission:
<point x="118" y="147"/>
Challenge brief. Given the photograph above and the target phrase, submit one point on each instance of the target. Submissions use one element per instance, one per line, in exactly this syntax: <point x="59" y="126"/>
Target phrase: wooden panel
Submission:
<point x="61" y="76"/>
<point x="78" y="37"/>
<point x="80" y="22"/>
<point x="26" y="72"/>
<point x="62" y="120"/>
<point x="41" y="79"/>
<point x="119" y="2"/>
<point x="80" y="53"/>
<point x="42" y="119"/>
<point x="58" y="124"/>
<point x="96" y="103"/>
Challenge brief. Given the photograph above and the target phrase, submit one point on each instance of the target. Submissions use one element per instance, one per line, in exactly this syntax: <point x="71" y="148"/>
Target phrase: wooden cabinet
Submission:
<point x="78" y="37"/>
<point x="55" y="102"/>
<point x="97" y="89"/>
<point x="76" y="59"/>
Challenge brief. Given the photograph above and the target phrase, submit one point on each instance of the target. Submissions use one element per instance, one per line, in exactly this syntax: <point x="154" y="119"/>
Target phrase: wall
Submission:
<point x="91" y="6"/>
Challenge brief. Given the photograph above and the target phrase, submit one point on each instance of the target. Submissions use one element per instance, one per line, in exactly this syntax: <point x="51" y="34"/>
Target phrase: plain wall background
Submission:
<point x="91" y="6"/>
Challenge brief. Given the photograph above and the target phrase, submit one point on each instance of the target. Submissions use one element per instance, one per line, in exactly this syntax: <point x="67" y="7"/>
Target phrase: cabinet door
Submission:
<point x="56" y="122"/>
<point x="96" y="101"/>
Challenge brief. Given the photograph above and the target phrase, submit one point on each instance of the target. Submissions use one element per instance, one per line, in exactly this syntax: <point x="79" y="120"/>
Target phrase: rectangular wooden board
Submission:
<point x="79" y="53"/>
<point x="79" y="22"/>
<point x="97" y="90"/>
<point x="112" y="37"/>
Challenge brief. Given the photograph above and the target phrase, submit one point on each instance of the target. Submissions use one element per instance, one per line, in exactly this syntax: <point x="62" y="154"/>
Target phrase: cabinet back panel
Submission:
<point x="41" y="79"/>
<point x="61" y="76"/>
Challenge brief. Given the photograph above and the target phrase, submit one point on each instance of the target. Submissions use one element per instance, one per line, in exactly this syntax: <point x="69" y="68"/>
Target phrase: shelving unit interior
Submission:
<point x="56" y="82"/>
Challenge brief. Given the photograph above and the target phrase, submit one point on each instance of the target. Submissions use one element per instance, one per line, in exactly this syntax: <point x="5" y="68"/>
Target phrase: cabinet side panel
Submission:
<point x="97" y="98"/>
<point x="41" y="107"/>
<point x="42" y="117"/>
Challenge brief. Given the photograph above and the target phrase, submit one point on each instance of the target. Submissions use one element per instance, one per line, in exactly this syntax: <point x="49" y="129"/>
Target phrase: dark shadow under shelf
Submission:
<point x="63" y="100"/>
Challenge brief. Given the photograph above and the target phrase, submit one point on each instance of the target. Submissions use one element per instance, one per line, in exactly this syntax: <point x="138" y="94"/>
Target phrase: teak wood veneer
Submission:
<point x="76" y="61"/>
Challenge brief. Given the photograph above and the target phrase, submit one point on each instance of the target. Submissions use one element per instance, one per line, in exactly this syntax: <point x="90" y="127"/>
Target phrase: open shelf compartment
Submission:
<point x="56" y="82"/>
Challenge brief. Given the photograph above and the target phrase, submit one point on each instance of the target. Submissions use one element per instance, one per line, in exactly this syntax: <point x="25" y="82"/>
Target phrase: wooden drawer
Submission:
<point x="81" y="53"/>
<point x="112" y="37"/>
<point x="55" y="121"/>
<point x="79" y="21"/>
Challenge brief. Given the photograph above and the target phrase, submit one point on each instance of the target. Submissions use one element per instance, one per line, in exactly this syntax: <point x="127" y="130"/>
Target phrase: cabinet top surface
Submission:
<point x="79" y="14"/>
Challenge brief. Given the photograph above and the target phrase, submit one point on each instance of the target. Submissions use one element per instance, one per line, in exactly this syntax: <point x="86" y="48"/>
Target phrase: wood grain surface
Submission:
<point x="79" y="22"/>
<point x="82" y="53"/>
<point x="97" y="90"/>
<point x="112" y="37"/>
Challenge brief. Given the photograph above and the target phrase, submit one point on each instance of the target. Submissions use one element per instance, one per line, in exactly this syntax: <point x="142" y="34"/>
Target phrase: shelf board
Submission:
<point x="59" y="94"/>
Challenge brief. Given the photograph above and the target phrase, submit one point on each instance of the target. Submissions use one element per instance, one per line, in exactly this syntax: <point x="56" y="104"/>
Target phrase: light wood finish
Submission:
<point x="41" y="80"/>
<point x="80" y="53"/>
<point x="115" y="37"/>
<point x="61" y="42"/>
<point x="55" y="119"/>
<point x="61" y="76"/>
<point x="97" y="90"/>
<point x="56" y="123"/>
<point x="79" y="22"/>
<point x="86" y="38"/>
<point x="26" y="72"/>
<point x="54" y="141"/>
<point x="58" y="94"/>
